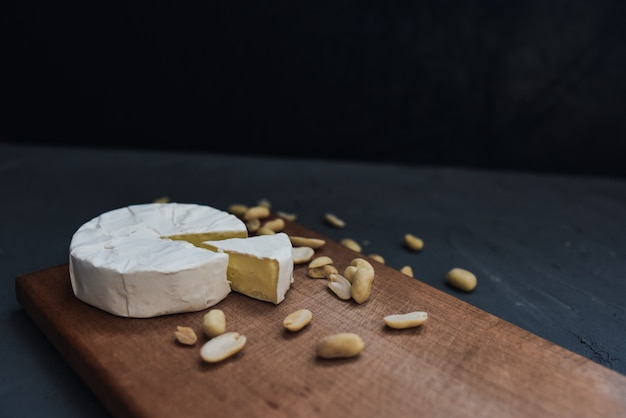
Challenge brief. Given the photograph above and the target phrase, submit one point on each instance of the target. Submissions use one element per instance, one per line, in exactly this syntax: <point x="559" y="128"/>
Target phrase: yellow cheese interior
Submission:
<point x="253" y="276"/>
<point x="197" y="239"/>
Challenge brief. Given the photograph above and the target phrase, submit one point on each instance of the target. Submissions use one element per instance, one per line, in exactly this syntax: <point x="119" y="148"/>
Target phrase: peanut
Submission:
<point x="297" y="320"/>
<point x="222" y="347"/>
<point x="407" y="320"/>
<point x="349" y="271"/>
<point x="352" y="244"/>
<point x="361" y="288"/>
<point x="413" y="243"/>
<point x="162" y="199"/>
<point x="276" y="224"/>
<point x="461" y="279"/>
<point x="340" y="286"/>
<point x="408" y="270"/>
<point x="186" y="335"/>
<point x="214" y="323"/>
<point x="253" y="224"/>
<point x="288" y="216"/>
<point x="237" y="209"/>
<point x="378" y="258"/>
<point x="320" y="261"/>
<point x="333" y="220"/>
<point x="302" y="255"/>
<point x="340" y="345"/>
<point x="264" y="230"/>
<point x="361" y="262"/>
<point x="322" y="272"/>
<point x="306" y="242"/>
<point x="265" y="203"/>
<point x="256" y="212"/>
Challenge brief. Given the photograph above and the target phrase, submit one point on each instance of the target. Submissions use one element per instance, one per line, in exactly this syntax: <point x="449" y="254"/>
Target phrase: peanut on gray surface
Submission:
<point x="334" y="220"/>
<point x="222" y="347"/>
<point x="214" y="323"/>
<point x="186" y="335"/>
<point x="288" y="216"/>
<point x="406" y="320"/>
<point x="340" y="345"/>
<point x="352" y="244"/>
<point x="297" y="320"/>
<point x="265" y="203"/>
<point x="413" y="243"/>
<point x="461" y="279"/>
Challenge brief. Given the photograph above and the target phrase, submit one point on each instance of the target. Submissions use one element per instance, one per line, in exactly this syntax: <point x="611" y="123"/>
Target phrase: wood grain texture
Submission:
<point x="462" y="362"/>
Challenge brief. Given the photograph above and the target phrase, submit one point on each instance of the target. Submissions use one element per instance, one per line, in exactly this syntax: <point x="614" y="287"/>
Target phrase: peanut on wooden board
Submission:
<point x="302" y="255"/>
<point x="238" y="209"/>
<point x="259" y="212"/>
<point x="361" y="262"/>
<point x="264" y="230"/>
<point x="214" y="323"/>
<point x="340" y="286"/>
<point x="355" y="264"/>
<point x="253" y="224"/>
<point x="461" y="279"/>
<point x="340" y="345"/>
<point x="406" y="320"/>
<point x="321" y="267"/>
<point x="222" y="347"/>
<point x="320" y="261"/>
<point x="186" y="335"/>
<point x="297" y="320"/>
<point x="276" y="224"/>
<point x="314" y="243"/>
<point x="361" y="287"/>
<point x="408" y="270"/>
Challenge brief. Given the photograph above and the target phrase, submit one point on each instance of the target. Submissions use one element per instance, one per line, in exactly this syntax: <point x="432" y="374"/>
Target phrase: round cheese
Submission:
<point x="143" y="261"/>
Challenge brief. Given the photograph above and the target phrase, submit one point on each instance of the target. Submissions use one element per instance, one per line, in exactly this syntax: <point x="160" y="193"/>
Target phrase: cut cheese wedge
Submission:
<point x="260" y="267"/>
<point x="144" y="260"/>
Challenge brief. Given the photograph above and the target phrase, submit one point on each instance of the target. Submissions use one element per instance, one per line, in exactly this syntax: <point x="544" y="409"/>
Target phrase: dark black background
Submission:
<point x="523" y="85"/>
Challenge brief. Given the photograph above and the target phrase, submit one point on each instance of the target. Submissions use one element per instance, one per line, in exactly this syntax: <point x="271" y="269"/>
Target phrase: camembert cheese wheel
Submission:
<point x="260" y="267"/>
<point x="144" y="260"/>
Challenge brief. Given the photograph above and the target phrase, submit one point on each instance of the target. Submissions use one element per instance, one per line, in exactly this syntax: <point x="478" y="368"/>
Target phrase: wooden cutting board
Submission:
<point x="461" y="362"/>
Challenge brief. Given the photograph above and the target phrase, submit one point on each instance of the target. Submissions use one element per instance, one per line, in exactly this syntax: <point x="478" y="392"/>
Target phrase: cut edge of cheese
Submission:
<point x="260" y="267"/>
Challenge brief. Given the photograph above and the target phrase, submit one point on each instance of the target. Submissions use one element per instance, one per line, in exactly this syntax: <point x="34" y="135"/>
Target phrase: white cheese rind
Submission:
<point x="121" y="263"/>
<point x="268" y="271"/>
